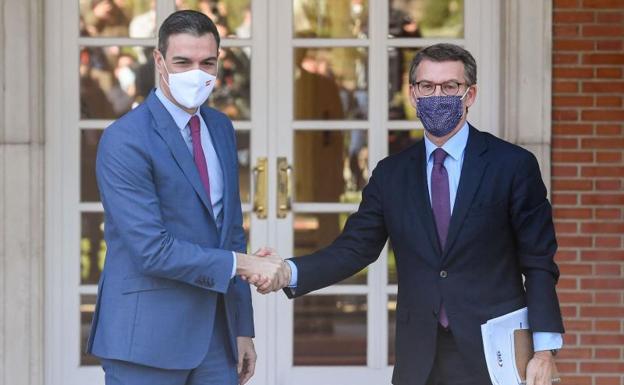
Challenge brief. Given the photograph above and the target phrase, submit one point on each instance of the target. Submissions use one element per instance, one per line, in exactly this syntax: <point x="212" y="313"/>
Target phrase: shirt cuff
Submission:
<point x="233" y="264"/>
<point x="547" y="341"/>
<point x="293" y="273"/>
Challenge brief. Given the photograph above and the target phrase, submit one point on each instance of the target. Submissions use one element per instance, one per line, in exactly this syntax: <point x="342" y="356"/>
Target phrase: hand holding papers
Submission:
<point x="508" y="346"/>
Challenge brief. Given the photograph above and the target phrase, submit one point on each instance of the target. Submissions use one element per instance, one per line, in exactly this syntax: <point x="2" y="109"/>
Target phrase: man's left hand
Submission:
<point x="246" y="359"/>
<point x="540" y="368"/>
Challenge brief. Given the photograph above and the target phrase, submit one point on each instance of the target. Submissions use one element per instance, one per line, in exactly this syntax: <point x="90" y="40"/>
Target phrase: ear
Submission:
<point x="471" y="96"/>
<point x="412" y="95"/>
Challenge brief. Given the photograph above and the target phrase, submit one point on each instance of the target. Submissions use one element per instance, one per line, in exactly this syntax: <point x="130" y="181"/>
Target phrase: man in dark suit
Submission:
<point x="468" y="218"/>
<point x="170" y="309"/>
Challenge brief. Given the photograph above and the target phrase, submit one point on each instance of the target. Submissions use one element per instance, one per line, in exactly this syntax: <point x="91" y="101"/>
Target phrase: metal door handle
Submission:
<point x="260" y="200"/>
<point x="284" y="187"/>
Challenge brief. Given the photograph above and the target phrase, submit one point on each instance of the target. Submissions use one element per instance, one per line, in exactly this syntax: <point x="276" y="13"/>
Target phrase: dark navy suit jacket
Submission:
<point x="501" y="230"/>
<point x="166" y="260"/>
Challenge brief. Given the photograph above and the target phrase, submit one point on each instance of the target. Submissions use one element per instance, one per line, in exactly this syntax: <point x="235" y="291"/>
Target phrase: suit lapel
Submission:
<point x="472" y="171"/>
<point x="419" y="186"/>
<point x="170" y="133"/>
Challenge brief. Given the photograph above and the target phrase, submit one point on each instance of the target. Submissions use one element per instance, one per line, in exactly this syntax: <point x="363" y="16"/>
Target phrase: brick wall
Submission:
<point x="588" y="186"/>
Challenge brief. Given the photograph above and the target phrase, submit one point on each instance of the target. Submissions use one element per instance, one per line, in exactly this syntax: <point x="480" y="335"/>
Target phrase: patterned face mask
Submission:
<point x="440" y="114"/>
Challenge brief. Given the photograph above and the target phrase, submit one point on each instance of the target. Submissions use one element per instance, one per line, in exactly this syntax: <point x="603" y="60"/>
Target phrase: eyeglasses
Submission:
<point x="449" y="88"/>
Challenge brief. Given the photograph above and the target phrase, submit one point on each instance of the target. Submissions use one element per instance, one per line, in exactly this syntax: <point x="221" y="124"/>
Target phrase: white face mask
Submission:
<point x="190" y="88"/>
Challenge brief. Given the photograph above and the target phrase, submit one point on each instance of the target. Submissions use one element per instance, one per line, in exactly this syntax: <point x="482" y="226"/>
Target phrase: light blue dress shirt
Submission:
<point x="215" y="173"/>
<point x="455" y="147"/>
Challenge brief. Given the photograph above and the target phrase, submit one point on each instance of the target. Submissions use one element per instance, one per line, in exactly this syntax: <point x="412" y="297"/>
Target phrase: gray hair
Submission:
<point x="446" y="52"/>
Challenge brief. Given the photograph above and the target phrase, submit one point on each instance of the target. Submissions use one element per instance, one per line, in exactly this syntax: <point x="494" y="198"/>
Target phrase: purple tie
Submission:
<point x="441" y="204"/>
<point x="198" y="154"/>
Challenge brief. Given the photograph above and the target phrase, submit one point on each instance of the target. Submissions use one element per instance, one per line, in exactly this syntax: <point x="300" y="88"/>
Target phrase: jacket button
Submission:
<point x="443" y="274"/>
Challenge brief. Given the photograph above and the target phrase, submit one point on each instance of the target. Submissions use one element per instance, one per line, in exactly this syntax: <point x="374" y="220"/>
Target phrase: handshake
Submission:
<point x="263" y="269"/>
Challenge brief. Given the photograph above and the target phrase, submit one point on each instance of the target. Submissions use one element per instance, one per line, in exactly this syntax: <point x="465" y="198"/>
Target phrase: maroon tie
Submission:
<point x="198" y="154"/>
<point x="441" y="205"/>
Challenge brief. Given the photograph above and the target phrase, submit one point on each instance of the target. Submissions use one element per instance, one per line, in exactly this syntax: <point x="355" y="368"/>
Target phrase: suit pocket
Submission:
<point x="145" y="283"/>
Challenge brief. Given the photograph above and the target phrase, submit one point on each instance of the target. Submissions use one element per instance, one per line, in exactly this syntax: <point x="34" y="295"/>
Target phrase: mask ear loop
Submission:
<point x="166" y="70"/>
<point x="465" y="93"/>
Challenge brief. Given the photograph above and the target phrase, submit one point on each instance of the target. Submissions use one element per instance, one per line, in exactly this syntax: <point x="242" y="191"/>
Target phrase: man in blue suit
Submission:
<point x="468" y="218"/>
<point x="170" y="308"/>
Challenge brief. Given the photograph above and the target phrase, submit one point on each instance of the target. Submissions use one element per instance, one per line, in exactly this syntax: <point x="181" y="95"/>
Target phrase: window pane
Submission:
<point x="87" y="308"/>
<point x="89" y="140"/>
<point x="231" y="94"/>
<point x="399" y="105"/>
<point x="331" y="83"/>
<point x="392" y="273"/>
<point x="314" y="231"/>
<point x="330" y="330"/>
<point x="426" y="18"/>
<point x="392" y="302"/>
<point x="232" y="17"/>
<point x="330" y="166"/>
<point x="399" y="140"/>
<point x="247" y="229"/>
<point x="92" y="248"/>
<point x="114" y="79"/>
<point x="118" y="18"/>
<point x="244" y="164"/>
<point x="333" y="19"/>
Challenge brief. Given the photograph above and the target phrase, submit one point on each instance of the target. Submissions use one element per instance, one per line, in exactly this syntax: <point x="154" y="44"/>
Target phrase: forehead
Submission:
<point x="440" y="71"/>
<point x="191" y="46"/>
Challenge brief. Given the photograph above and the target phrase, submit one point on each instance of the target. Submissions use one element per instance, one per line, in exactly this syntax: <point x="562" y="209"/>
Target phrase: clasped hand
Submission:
<point x="264" y="269"/>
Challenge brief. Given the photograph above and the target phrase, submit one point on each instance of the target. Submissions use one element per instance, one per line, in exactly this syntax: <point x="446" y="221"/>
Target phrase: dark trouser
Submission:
<point x="449" y="367"/>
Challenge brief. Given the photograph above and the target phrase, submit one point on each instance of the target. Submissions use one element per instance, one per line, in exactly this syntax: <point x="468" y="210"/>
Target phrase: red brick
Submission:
<point x="566" y="227"/>
<point x="612" y="73"/>
<point x="602" y="227"/>
<point x="573" y="45"/>
<point x="575" y="213"/>
<point x="609" y="354"/>
<point x="601" y="4"/>
<point x="564" y="255"/>
<point x="602" y="367"/>
<point x="607" y="326"/>
<point x="602" y="255"/>
<point x="567" y="366"/>
<point x="566" y="30"/>
<point x="603" y="58"/>
<point x="617" y="143"/>
<point x="607" y="381"/>
<point x="569" y="269"/>
<point x="572" y="129"/>
<point x="558" y="115"/>
<point x="574" y="72"/>
<point x="609" y="45"/>
<point x="603" y="87"/>
<point x="569" y="143"/>
<point x="602" y="283"/>
<point x="614" y="298"/>
<point x="608" y="185"/>
<point x="611" y="171"/>
<point x="574" y="380"/>
<point x="609" y="157"/>
<point x="566" y="241"/>
<point x="597" y="30"/>
<point x="610" y="17"/>
<point x="572" y="184"/>
<point x="565" y="58"/>
<point x="573" y="101"/>
<point x="602" y="199"/>
<point x="575" y="297"/>
<point x="608" y="213"/>
<point x="574" y="353"/>
<point x="607" y="242"/>
<point x="573" y="17"/>
<point x="608" y="101"/>
<point x="569" y="312"/>
<point x="602" y="311"/>
<point x="608" y="270"/>
<point x="577" y="325"/>
<point x="564" y="199"/>
<point x="603" y="115"/>
<point x="609" y="129"/>
<point x="567" y="283"/>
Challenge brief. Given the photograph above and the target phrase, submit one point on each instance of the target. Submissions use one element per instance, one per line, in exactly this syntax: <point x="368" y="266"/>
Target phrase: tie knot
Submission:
<point x="438" y="156"/>
<point x="194" y="123"/>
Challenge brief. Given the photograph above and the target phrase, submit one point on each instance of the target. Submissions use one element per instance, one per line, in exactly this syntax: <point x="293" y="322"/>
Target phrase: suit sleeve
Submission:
<point x="357" y="246"/>
<point x="245" y="320"/>
<point x="531" y="217"/>
<point x="124" y="175"/>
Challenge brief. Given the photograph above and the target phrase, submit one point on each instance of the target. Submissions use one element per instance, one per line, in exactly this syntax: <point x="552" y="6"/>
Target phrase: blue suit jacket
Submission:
<point x="501" y="229"/>
<point x="166" y="261"/>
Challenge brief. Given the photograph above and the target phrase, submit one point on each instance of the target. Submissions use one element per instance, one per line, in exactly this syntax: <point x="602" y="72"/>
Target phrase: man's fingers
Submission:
<point x="251" y="369"/>
<point x="239" y="366"/>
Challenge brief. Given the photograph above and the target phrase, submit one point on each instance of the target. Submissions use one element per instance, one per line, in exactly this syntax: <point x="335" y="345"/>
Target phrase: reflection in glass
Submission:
<point x="232" y="17"/>
<point x="231" y="94"/>
<point x="333" y="19"/>
<point x="330" y="330"/>
<point x="399" y="104"/>
<point x="118" y="18"/>
<point x="244" y="164"/>
<point x="87" y="307"/>
<point x="426" y="18"/>
<point x="92" y="247"/>
<point x="392" y="302"/>
<point x="330" y="166"/>
<point x="399" y="140"/>
<point x="331" y="83"/>
<point x="114" y="79"/>
<point x="391" y="260"/>
<point x="89" y="140"/>
<point x="315" y="231"/>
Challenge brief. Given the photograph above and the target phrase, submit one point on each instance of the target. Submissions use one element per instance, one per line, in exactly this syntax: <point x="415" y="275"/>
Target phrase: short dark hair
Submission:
<point x="191" y="22"/>
<point x="446" y="52"/>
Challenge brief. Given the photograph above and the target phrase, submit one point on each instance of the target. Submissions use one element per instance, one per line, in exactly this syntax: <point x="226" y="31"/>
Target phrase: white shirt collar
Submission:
<point x="455" y="146"/>
<point x="180" y="117"/>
